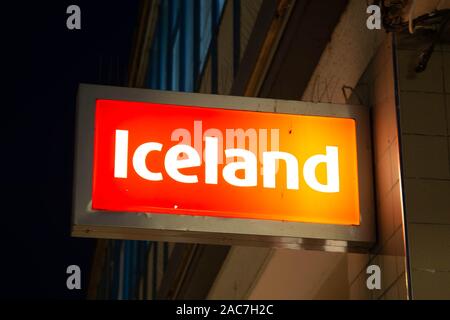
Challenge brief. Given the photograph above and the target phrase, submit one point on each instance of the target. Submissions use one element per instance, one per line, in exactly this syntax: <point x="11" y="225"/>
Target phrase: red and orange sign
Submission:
<point x="201" y="161"/>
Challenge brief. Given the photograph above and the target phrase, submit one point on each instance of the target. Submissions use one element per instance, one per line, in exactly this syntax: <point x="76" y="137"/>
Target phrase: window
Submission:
<point x="183" y="38"/>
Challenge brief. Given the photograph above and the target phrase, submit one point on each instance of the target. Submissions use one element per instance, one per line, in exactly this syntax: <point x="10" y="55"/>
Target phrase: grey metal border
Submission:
<point x="229" y="231"/>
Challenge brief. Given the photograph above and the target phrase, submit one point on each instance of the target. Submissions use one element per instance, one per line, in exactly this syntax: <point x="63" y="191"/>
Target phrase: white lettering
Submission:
<point x="140" y="155"/>
<point x="121" y="154"/>
<point x="248" y="165"/>
<point x="182" y="156"/>
<point x="211" y="159"/>
<point x="331" y="160"/>
<point x="172" y="163"/>
<point x="270" y="169"/>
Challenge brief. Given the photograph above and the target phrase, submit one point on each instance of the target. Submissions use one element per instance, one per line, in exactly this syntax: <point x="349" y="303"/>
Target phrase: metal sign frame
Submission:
<point x="228" y="231"/>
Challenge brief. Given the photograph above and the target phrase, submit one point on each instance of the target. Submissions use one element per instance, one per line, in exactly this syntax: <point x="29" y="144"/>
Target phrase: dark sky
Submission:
<point x="44" y="63"/>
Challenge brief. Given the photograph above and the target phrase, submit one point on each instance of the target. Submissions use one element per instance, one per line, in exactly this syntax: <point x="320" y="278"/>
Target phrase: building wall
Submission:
<point x="376" y="88"/>
<point x="425" y="135"/>
<point x="346" y="57"/>
<point x="301" y="274"/>
<point x="412" y="194"/>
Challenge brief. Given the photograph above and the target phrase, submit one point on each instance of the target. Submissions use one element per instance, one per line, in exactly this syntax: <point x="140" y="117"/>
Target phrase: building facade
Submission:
<point x="313" y="51"/>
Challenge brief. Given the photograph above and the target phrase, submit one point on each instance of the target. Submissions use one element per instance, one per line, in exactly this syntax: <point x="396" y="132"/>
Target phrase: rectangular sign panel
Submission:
<point x="218" y="169"/>
<point x="175" y="159"/>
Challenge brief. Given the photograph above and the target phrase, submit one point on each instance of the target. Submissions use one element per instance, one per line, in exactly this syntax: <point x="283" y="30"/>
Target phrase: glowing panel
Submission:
<point x="181" y="160"/>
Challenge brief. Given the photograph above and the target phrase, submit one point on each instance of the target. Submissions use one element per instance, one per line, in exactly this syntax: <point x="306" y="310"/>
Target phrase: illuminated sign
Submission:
<point x="141" y="166"/>
<point x="192" y="166"/>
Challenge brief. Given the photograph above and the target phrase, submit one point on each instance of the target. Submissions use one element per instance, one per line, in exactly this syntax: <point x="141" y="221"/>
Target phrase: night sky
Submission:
<point x="44" y="63"/>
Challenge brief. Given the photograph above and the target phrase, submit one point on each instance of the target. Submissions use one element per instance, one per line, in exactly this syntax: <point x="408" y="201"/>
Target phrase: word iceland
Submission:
<point x="187" y="160"/>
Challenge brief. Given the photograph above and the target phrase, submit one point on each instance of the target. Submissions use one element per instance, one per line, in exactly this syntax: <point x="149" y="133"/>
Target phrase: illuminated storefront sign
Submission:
<point x="194" y="167"/>
<point x="139" y="164"/>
